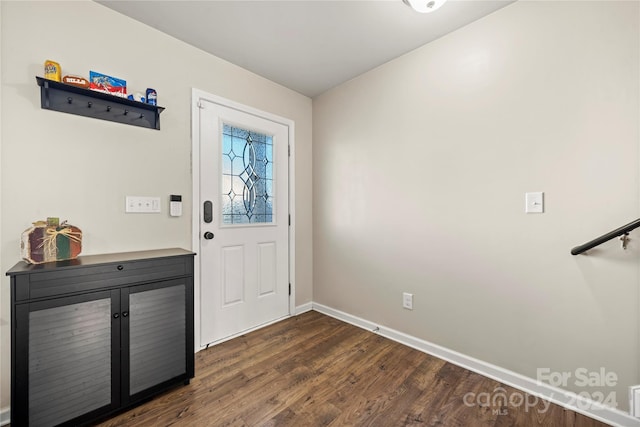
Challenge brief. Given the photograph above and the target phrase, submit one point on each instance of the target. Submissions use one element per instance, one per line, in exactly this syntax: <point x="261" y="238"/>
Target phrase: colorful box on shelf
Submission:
<point x="49" y="240"/>
<point x="107" y="84"/>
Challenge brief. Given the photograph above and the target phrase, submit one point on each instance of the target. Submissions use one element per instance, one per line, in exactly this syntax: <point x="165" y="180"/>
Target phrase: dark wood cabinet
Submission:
<point x="98" y="334"/>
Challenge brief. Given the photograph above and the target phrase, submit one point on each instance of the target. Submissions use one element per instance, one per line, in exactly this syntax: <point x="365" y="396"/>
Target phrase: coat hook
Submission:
<point x="142" y="116"/>
<point x="69" y="100"/>
<point x="89" y="104"/>
<point x="108" y="108"/>
<point x="126" y="112"/>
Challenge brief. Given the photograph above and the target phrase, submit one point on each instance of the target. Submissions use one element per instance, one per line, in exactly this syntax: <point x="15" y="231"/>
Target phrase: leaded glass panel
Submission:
<point x="247" y="176"/>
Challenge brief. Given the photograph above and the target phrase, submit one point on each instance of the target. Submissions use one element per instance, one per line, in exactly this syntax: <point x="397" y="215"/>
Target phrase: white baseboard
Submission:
<point x="303" y="308"/>
<point x="5" y="416"/>
<point x="528" y="385"/>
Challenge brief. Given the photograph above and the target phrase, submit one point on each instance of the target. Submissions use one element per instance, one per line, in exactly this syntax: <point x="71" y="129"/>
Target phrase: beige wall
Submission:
<point x="420" y="170"/>
<point x="81" y="169"/>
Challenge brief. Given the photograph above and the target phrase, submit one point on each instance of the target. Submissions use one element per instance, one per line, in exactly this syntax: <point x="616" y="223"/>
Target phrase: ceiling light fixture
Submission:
<point x="424" y="6"/>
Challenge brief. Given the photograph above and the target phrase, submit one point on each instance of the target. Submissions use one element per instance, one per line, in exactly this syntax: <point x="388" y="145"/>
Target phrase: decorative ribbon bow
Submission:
<point x="49" y="242"/>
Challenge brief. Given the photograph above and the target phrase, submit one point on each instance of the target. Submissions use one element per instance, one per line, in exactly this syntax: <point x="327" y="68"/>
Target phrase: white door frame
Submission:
<point x="196" y="211"/>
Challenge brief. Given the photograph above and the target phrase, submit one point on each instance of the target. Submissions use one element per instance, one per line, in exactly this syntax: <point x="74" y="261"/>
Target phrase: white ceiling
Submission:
<point x="309" y="46"/>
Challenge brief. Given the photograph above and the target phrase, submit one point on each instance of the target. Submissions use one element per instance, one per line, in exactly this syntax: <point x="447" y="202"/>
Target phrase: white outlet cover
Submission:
<point x="407" y="300"/>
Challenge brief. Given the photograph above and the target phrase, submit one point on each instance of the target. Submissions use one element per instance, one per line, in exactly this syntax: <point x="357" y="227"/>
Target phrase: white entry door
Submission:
<point x="244" y="221"/>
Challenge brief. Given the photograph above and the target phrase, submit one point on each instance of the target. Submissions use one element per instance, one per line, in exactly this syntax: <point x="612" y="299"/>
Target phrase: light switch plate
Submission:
<point x="534" y="202"/>
<point x="140" y="204"/>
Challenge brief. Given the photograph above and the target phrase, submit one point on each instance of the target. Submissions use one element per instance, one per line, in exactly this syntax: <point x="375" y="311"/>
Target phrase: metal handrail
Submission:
<point x="625" y="229"/>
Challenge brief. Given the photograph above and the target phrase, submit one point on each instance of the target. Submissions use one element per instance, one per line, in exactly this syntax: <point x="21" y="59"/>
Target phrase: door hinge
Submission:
<point x="289" y="288"/>
<point x="289" y="150"/>
<point x="289" y="220"/>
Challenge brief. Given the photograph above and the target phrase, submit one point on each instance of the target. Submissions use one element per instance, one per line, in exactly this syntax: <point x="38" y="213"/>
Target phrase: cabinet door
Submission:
<point x="67" y="355"/>
<point x="154" y="337"/>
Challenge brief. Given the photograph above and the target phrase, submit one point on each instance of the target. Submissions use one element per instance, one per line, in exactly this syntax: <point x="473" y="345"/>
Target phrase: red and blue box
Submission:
<point x="107" y="84"/>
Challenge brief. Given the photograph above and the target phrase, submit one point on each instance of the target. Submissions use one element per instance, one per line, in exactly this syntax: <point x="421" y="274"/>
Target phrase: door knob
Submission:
<point x="208" y="235"/>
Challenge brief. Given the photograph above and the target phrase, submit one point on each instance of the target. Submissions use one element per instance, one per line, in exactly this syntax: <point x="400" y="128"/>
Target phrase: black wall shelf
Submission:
<point x="90" y="103"/>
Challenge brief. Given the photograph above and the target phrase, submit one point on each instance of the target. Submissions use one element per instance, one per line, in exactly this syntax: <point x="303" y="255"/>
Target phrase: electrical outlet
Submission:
<point x="407" y="300"/>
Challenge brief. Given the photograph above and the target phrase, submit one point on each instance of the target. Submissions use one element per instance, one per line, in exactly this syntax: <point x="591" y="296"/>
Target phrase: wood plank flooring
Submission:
<point x="313" y="370"/>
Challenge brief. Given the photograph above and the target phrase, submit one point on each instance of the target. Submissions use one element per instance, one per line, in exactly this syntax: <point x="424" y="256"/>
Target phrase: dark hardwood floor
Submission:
<point x="313" y="370"/>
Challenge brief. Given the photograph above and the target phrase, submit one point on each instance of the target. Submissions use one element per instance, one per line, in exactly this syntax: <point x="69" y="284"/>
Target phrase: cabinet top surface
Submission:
<point x="23" y="267"/>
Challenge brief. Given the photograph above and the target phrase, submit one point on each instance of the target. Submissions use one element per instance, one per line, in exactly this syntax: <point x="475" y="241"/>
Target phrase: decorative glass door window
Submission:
<point x="247" y="176"/>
